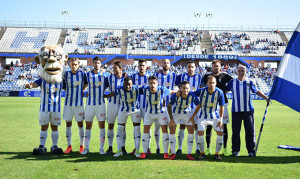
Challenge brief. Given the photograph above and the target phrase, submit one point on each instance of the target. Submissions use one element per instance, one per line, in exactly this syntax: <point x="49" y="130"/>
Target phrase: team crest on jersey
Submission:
<point x="76" y="83"/>
<point x="130" y="100"/>
<point x="99" y="83"/>
<point x="52" y="89"/>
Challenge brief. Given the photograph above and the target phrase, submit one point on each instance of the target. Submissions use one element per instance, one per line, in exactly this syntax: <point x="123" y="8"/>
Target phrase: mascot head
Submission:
<point x="51" y="60"/>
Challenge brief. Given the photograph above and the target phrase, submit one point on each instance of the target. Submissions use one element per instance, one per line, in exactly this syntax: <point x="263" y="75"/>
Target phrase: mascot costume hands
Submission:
<point x="51" y="60"/>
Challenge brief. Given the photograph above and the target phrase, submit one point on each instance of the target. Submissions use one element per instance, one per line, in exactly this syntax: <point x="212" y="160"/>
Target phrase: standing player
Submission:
<point x="75" y="83"/>
<point x="95" y="104"/>
<point x="155" y="111"/>
<point x="180" y="114"/>
<point x="140" y="79"/>
<point x="210" y="98"/>
<point x="222" y="80"/>
<point x="167" y="79"/>
<point x="194" y="80"/>
<point x="242" y="110"/>
<point x="129" y="107"/>
<point x="114" y="80"/>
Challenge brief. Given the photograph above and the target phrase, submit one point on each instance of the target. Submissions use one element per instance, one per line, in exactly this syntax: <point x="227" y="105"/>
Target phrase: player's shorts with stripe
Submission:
<point x="98" y="110"/>
<point x="182" y="119"/>
<point x="135" y="117"/>
<point x="162" y="118"/>
<point x="202" y="123"/>
<point x="73" y="111"/>
<point x="50" y="117"/>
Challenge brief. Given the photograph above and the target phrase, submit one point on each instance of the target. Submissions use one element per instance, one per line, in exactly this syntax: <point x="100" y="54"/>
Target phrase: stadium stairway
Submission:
<point x="62" y="36"/>
<point x="206" y="42"/>
<point x="124" y="41"/>
<point x="283" y="37"/>
<point x="2" y="31"/>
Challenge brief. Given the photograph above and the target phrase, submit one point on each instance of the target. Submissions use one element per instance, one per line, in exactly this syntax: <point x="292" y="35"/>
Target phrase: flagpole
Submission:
<point x="261" y="127"/>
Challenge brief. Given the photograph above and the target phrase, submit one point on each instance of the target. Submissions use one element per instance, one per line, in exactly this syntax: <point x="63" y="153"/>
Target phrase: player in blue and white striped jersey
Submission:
<point x="242" y="110"/>
<point x="167" y="79"/>
<point x="74" y="83"/>
<point x="129" y="107"/>
<point x="114" y="80"/>
<point x="195" y="81"/>
<point x="210" y="98"/>
<point x="155" y="111"/>
<point x="140" y="79"/>
<point x="95" y="104"/>
<point x="180" y="114"/>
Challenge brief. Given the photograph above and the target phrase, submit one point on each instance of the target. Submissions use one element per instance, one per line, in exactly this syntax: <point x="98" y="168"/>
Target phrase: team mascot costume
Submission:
<point x="51" y="60"/>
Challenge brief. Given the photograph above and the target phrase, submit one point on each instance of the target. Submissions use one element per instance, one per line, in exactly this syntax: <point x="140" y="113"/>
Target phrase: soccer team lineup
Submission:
<point x="198" y="105"/>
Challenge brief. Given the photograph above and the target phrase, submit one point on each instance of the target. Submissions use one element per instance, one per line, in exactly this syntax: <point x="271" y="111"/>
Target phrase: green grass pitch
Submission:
<point x="19" y="134"/>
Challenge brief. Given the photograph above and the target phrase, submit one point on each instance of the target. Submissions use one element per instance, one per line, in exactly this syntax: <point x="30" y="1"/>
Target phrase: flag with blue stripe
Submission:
<point x="286" y="86"/>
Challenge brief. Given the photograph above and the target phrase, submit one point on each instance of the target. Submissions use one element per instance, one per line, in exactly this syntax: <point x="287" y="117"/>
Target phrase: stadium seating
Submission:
<point x="93" y="41"/>
<point x="288" y="35"/>
<point x="245" y="43"/>
<point x="164" y="42"/>
<point x="28" y="40"/>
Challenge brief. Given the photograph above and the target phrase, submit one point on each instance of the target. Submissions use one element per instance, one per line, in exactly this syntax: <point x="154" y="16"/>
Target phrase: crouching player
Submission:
<point x="180" y="114"/>
<point x="75" y="83"/>
<point x="155" y="111"/>
<point x="129" y="107"/>
<point x="210" y="98"/>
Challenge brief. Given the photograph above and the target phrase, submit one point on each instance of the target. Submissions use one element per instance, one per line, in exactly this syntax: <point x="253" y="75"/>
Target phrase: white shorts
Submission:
<point x="73" y="111"/>
<point x="182" y="119"/>
<point x="143" y="111"/>
<point x="98" y="110"/>
<point x="112" y="112"/>
<point x="160" y="117"/>
<point x="53" y="117"/>
<point x="135" y="117"/>
<point x="202" y="123"/>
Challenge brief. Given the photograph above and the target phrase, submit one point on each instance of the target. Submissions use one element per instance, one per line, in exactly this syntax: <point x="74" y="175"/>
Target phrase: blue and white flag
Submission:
<point x="286" y="86"/>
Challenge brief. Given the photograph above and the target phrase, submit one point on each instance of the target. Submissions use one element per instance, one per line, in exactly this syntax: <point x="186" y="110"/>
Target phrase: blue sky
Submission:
<point x="251" y="12"/>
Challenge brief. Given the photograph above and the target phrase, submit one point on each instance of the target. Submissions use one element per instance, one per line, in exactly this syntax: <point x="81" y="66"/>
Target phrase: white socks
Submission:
<point x="110" y="137"/>
<point x="88" y="133"/>
<point x="43" y="137"/>
<point x="190" y="142"/>
<point x="54" y="136"/>
<point x="124" y="137"/>
<point x="219" y="143"/>
<point x="172" y="143"/>
<point x="157" y="134"/>
<point x="196" y="139"/>
<point x="166" y="142"/>
<point x="137" y="137"/>
<point x="201" y="143"/>
<point x="69" y="135"/>
<point x="102" y="138"/>
<point x="81" y="135"/>
<point x="180" y="138"/>
<point x="145" y="142"/>
<point x="119" y="136"/>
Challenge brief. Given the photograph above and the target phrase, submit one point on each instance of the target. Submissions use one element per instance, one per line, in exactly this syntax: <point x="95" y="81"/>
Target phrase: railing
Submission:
<point x="40" y="24"/>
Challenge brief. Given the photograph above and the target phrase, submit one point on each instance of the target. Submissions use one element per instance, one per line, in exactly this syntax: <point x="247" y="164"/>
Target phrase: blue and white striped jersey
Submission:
<point x="74" y="88"/>
<point x="140" y="81"/>
<point x="167" y="81"/>
<point x="50" y="95"/>
<point x="154" y="101"/>
<point x="113" y="83"/>
<point x="181" y="105"/>
<point x="195" y="81"/>
<point x="209" y="102"/>
<point x="241" y="94"/>
<point x="97" y="84"/>
<point x="129" y="100"/>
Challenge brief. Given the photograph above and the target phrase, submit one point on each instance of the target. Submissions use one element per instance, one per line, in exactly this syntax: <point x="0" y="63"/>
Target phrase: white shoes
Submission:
<point x="119" y="153"/>
<point x="85" y="151"/>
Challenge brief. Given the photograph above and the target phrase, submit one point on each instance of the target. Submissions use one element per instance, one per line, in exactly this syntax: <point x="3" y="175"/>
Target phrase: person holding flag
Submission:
<point x="242" y="110"/>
